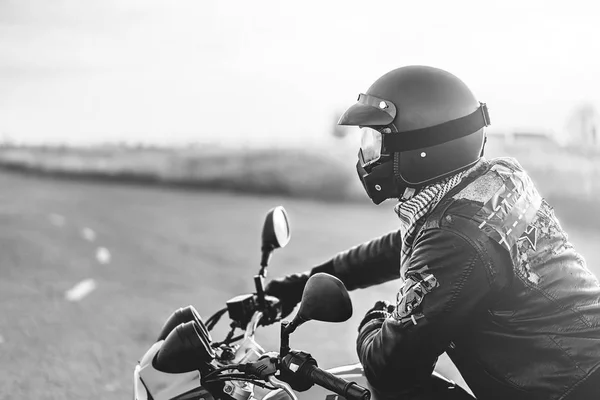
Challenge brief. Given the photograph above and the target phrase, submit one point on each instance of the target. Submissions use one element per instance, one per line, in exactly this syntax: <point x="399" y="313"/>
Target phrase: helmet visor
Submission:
<point x="369" y="111"/>
<point x="371" y="143"/>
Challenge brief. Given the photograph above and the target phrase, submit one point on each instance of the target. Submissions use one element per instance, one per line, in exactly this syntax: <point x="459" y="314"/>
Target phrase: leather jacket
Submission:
<point x="494" y="282"/>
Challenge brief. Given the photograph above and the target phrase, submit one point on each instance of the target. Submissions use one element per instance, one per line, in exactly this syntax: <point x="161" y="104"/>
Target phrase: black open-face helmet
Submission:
<point x="419" y="125"/>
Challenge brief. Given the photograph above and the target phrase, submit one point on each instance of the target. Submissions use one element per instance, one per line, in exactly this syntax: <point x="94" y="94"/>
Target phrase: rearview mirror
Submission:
<point x="276" y="233"/>
<point x="325" y="299"/>
<point x="276" y="230"/>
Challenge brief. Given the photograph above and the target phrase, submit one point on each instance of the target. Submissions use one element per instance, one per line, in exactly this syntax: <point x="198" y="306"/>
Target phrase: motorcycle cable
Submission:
<point x="225" y="368"/>
<point x="239" y="377"/>
<point x="214" y="319"/>
<point x="236" y="338"/>
<point x="228" y="339"/>
<point x="264" y="366"/>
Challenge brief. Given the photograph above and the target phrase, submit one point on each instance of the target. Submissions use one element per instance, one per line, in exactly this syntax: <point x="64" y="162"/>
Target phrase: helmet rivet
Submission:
<point x="423" y="155"/>
<point x="383" y="105"/>
<point x="378" y="188"/>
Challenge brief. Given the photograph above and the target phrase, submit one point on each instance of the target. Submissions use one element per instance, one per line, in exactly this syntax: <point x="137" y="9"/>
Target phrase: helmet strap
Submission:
<point x="484" y="143"/>
<point x="438" y="134"/>
<point x="406" y="193"/>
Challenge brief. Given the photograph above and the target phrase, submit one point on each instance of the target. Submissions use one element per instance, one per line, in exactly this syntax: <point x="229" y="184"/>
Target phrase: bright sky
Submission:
<point x="176" y="71"/>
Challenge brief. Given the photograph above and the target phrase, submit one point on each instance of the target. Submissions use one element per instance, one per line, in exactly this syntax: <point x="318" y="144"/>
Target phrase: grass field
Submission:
<point x="570" y="178"/>
<point x="169" y="248"/>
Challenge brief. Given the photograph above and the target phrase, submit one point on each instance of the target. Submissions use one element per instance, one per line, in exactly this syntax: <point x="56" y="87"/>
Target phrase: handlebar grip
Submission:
<point x="349" y="390"/>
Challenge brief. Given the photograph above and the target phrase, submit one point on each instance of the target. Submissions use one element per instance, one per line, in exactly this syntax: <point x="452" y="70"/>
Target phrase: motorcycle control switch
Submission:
<point x="242" y="307"/>
<point x="292" y="366"/>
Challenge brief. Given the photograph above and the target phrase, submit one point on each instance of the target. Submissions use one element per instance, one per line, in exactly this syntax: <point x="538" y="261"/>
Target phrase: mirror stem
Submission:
<point x="260" y="290"/>
<point x="286" y="329"/>
<point x="267" y="250"/>
<point x="296" y="322"/>
<point x="285" y="339"/>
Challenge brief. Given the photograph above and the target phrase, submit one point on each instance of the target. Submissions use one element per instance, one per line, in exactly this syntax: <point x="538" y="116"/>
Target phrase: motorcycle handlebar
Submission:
<point x="346" y="389"/>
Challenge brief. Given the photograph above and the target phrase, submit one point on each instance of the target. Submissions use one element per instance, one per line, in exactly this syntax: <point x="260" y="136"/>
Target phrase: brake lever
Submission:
<point x="264" y="367"/>
<point x="282" y="385"/>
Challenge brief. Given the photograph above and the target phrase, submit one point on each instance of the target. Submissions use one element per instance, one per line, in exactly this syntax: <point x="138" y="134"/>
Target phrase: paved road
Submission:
<point x="146" y="252"/>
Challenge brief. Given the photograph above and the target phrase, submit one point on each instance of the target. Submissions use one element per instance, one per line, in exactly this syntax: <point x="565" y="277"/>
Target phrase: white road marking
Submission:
<point x="103" y="255"/>
<point x="57" y="219"/>
<point x="111" y="387"/>
<point x="1" y="339"/>
<point x="80" y="290"/>
<point x="88" y="234"/>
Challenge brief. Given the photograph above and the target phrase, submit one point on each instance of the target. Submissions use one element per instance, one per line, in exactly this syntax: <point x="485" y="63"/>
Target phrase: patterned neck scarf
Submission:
<point x="413" y="212"/>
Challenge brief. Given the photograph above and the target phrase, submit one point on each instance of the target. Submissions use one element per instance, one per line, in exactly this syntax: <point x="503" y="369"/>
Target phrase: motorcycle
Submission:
<point x="185" y="363"/>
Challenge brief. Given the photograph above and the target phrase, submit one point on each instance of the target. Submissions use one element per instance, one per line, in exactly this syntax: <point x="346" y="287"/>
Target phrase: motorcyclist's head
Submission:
<point x="419" y="125"/>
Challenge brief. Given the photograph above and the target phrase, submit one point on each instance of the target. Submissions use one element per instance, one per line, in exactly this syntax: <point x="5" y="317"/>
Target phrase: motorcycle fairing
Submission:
<point x="152" y="384"/>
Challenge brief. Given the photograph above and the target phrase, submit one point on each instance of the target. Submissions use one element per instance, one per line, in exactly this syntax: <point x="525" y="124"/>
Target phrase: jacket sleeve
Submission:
<point x="448" y="284"/>
<point x="370" y="263"/>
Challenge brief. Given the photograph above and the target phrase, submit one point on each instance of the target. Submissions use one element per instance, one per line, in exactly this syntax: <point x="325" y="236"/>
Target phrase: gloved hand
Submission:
<point x="381" y="310"/>
<point x="289" y="288"/>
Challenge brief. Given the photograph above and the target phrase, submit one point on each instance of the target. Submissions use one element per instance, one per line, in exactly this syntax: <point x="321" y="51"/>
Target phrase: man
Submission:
<point x="487" y="273"/>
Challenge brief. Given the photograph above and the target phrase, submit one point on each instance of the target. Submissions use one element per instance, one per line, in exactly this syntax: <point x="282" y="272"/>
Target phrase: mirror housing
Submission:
<point x="275" y="234"/>
<point x="325" y="299"/>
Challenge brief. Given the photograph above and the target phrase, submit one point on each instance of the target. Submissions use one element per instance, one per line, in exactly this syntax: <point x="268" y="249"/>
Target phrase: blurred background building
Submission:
<point x="582" y="128"/>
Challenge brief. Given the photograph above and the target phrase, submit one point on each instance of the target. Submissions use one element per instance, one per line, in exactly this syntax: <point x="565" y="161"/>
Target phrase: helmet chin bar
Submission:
<point x="380" y="182"/>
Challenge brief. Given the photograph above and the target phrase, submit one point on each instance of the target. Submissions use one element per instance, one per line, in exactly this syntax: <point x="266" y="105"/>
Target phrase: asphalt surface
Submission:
<point x="90" y="271"/>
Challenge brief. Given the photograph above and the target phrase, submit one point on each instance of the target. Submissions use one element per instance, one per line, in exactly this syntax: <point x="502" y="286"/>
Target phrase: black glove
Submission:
<point x="289" y="288"/>
<point x="381" y="310"/>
